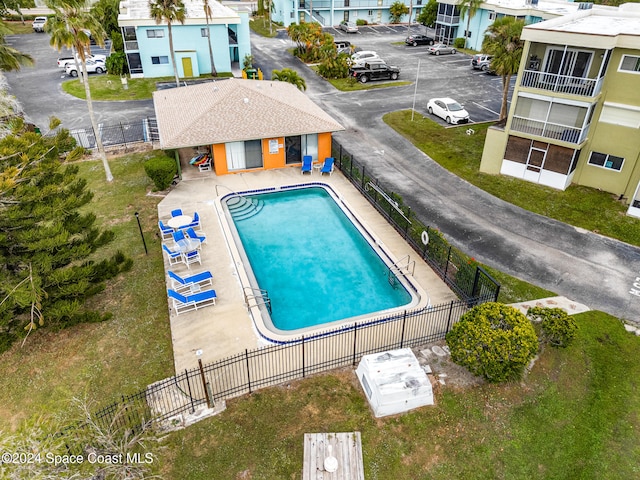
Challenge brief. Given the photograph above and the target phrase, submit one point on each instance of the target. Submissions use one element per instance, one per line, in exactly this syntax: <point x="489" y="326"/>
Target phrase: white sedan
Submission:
<point x="93" y="66"/>
<point x="363" y="56"/>
<point x="448" y="109"/>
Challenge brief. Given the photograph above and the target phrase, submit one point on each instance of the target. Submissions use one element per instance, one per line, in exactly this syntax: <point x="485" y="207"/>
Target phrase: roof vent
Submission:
<point x="246" y="100"/>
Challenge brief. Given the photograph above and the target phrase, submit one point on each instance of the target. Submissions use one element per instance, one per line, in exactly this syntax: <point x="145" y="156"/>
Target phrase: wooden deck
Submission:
<point x="345" y="447"/>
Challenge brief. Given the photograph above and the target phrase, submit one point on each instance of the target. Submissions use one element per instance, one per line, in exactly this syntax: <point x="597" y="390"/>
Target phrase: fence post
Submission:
<point x="449" y="319"/>
<point x="204" y="383"/>
<point x="476" y="278"/>
<point x="124" y="140"/>
<point x="446" y="265"/>
<point x="246" y="356"/>
<point x="404" y="322"/>
<point x="355" y="332"/>
<point x="302" y="356"/>
<point x="363" y="175"/>
<point x="186" y="374"/>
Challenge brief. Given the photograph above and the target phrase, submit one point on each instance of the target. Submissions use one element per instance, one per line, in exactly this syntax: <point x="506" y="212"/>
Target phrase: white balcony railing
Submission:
<point x="448" y="19"/>
<point x="549" y="130"/>
<point x="131" y="45"/>
<point x="586" y="87"/>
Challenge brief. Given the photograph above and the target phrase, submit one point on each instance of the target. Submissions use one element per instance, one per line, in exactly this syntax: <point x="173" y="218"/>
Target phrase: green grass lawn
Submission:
<point x="573" y="416"/>
<point x="260" y="25"/>
<point x="101" y="361"/>
<point x="18" y="28"/>
<point x="109" y="87"/>
<point x="583" y="207"/>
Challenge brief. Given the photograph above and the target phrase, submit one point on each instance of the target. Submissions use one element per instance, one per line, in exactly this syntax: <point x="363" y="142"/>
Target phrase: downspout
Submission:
<point x="177" y="155"/>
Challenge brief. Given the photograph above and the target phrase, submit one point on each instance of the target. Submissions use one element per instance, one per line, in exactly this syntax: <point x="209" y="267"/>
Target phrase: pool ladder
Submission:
<point x="259" y="297"/>
<point x="403" y="267"/>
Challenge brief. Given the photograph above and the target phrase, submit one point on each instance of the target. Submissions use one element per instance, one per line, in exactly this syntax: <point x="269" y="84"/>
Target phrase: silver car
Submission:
<point x="440" y="48"/>
<point x="348" y="27"/>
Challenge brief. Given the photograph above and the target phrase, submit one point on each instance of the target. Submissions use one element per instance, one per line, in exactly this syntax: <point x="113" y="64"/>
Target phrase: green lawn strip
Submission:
<point x="575" y="412"/>
<point x="109" y="87"/>
<point x="460" y="153"/>
<point x="514" y="290"/>
<point x="18" y="28"/>
<point x="101" y="361"/>
<point x="260" y="25"/>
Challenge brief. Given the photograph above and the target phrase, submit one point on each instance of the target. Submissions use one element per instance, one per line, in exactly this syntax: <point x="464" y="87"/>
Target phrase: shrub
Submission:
<point x="361" y="21"/>
<point x="161" y="171"/>
<point x="458" y="42"/>
<point x="116" y="63"/>
<point x="494" y="341"/>
<point x="558" y="327"/>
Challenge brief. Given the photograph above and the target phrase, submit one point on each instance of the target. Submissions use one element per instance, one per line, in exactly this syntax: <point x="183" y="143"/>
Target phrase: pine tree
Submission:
<point x="47" y="238"/>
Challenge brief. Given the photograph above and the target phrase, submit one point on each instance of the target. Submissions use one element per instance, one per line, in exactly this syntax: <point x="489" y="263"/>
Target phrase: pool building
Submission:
<point x="243" y="125"/>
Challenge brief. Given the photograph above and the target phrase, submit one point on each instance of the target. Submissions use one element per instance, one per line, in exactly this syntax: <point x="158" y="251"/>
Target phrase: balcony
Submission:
<point x="448" y="19"/>
<point x="553" y="82"/>
<point x="131" y="45"/>
<point x="554" y="131"/>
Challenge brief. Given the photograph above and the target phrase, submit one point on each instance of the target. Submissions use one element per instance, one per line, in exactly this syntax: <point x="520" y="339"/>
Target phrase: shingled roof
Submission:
<point x="235" y="110"/>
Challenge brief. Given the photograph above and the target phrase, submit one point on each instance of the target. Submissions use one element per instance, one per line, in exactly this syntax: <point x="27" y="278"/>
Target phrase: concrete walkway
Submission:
<point x="227" y="329"/>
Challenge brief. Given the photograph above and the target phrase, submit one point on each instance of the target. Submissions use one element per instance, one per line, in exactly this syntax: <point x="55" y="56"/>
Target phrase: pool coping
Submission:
<point x="257" y="311"/>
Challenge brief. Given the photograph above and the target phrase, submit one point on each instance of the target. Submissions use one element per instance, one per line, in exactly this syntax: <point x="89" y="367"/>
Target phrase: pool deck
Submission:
<point x="227" y="328"/>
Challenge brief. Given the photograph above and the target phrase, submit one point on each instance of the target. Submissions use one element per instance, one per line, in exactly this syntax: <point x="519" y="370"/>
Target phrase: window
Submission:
<point x="630" y="63"/>
<point x="155" y="33"/>
<point x="606" y="161"/>
<point x="568" y="62"/>
<point x="159" y="60"/>
<point x="492" y="15"/>
<point x="204" y="32"/>
<point x="370" y="13"/>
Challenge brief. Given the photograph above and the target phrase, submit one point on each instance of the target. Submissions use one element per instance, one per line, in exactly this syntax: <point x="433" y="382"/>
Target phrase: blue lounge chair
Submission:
<point x="307" y="164"/>
<point x="191" y="233"/>
<point x="191" y="257"/>
<point x="165" y="231"/>
<point x="190" y="283"/>
<point x="174" y="256"/>
<point x="178" y="235"/>
<point x="187" y="303"/>
<point x="177" y="212"/>
<point x="195" y="223"/>
<point x="328" y="166"/>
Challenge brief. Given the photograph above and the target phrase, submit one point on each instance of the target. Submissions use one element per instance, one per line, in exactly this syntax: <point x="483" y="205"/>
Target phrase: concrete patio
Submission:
<point x="227" y="328"/>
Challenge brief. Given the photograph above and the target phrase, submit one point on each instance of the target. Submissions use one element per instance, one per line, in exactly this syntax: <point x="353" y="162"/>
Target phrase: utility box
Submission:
<point x="394" y="382"/>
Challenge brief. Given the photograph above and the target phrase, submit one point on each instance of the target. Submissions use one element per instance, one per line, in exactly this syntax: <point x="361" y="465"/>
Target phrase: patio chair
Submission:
<point x="165" y="230"/>
<point x="174" y="256"/>
<point x="187" y="303"/>
<point x="192" y="282"/>
<point x="191" y="257"/>
<point x="206" y="165"/>
<point x="328" y="166"/>
<point x="191" y="233"/>
<point x="307" y="164"/>
<point x="178" y="235"/>
<point x="177" y="212"/>
<point x="195" y="224"/>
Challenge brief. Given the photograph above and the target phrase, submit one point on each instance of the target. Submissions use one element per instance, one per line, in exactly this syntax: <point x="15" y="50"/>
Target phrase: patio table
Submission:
<point x="179" y="221"/>
<point x="187" y="245"/>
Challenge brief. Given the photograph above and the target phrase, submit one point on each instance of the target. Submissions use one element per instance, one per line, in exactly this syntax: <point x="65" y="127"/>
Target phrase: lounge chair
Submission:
<point x="165" y="231"/>
<point x="192" y="282"/>
<point x="328" y="166"/>
<point x="195" y="223"/>
<point x="178" y="235"/>
<point x="191" y="233"/>
<point x="187" y="303"/>
<point x="175" y="257"/>
<point x="177" y="212"/>
<point x="307" y="164"/>
<point x="191" y="257"/>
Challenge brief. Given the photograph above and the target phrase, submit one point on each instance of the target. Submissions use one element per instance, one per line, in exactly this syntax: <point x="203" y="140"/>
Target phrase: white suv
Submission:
<point x="38" y="24"/>
<point x="359" y="58"/>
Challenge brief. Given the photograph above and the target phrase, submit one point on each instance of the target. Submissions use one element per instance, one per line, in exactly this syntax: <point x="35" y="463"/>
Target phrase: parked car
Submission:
<point x="348" y="27"/>
<point x="344" y="46"/>
<point x="93" y="66"/>
<point x="440" y="48"/>
<point x="415" y="40"/>
<point x="38" y="24"/>
<point x="374" y="71"/>
<point x="63" y="61"/>
<point x="448" y="109"/>
<point x="362" y="57"/>
<point x="481" y="61"/>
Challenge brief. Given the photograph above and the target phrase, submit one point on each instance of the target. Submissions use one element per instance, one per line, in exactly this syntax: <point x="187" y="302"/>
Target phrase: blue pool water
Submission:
<point x="314" y="263"/>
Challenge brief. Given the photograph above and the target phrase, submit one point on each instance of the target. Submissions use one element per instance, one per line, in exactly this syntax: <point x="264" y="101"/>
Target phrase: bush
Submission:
<point x="161" y="171"/>
<point x="494" y="341"/>
<point x="361" y="21"/>
<point x="458" y="42"/>
<point x="558" y="328"/>
<point x="116" y="63"/>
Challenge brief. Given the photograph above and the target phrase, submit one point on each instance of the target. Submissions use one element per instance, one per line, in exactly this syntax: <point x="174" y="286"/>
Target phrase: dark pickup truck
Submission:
<point x="374" y="71"/>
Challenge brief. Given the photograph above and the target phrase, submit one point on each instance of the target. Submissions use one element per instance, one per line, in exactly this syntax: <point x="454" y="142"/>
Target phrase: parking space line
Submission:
<point x="488" y="109"/>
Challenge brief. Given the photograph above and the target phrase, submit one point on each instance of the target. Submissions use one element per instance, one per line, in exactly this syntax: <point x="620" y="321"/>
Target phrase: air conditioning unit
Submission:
<point x="585" y="6"/>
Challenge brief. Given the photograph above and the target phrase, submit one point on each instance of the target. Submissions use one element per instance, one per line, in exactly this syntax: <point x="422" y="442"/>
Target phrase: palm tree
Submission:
<point x="73" y="26"/>
<point x="207" y="16"/>
<point x="469" y="8"/>
<point x="289" y="76"/>
<point x="10" y="58"/>
<point x="503" y="42"/>
<point x="169" y="11"/>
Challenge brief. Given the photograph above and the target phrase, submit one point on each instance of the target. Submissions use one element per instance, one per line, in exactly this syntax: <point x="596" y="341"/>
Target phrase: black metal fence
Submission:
<point x="144" y="130"/>
<point x="461" y="273"/>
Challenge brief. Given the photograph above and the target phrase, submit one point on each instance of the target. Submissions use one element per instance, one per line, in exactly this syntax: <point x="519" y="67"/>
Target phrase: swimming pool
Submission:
<point x="315" y="259"/>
